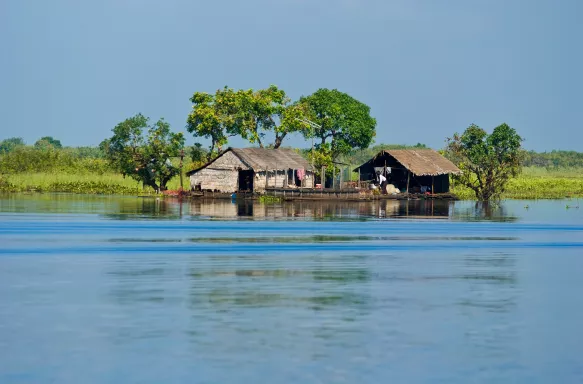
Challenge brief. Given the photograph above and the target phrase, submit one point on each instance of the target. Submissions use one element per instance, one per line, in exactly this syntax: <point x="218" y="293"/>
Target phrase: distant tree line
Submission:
<point x="554" y="159"/>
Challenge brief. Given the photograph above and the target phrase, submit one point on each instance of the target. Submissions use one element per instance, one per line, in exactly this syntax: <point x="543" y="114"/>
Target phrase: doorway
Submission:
<point x="246" y="181"/>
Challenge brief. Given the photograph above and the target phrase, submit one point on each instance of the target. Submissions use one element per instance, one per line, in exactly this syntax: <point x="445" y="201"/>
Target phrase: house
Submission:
<point x="411" y="170"/>
<point x="253" y="170"/>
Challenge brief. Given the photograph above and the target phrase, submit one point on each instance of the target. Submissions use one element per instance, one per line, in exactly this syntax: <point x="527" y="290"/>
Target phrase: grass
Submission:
<point x="538" y="183"/>
<point x="107" y="183"/>
<point x="533" y="183"/>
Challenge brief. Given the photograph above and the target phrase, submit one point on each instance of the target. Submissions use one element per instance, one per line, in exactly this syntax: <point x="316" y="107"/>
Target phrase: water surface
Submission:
<point x="142" y="290"/>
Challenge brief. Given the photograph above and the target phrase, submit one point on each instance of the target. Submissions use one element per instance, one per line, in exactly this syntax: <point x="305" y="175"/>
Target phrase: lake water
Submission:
<point x="131" y="290"/>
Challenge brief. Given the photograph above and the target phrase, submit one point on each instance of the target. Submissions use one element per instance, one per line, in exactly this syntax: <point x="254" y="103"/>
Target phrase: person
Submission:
<point x="247" y="182"/>
<point x="382" y="182"/>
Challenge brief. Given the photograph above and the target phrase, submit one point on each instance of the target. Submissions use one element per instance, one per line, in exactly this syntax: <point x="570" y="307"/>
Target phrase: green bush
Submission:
<point x="50" y="160"/>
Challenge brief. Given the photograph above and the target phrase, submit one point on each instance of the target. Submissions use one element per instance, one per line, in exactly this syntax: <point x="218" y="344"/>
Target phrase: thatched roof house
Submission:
<point x="413" y="170"/>
<point x="252" y="169"/>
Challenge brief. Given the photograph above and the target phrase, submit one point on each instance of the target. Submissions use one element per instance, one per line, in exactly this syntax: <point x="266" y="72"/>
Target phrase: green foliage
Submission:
<point x="488" y="162"/>
<point x="31" y="159"/>
<point x="6" y="186"/>
<point x="554" y="159"/>
<point x="198" y="154"/>
<point x="144" y="157"/>
<point x="85" y="152"/>
<point x="69" y="184"/>
<point x="321" y="157"/>
<point x="345" y="123"/>
<point x="246" y="113"/>
<point x="10" y="144"/>
<point x="535" y="183"/>
<point x="47" y="142"/>
<point x="266" y="199"/>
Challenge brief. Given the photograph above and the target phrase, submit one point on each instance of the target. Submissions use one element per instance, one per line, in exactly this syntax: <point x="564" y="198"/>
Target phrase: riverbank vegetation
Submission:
<point x="144" y="158"/>
<point x="85" y="170"/>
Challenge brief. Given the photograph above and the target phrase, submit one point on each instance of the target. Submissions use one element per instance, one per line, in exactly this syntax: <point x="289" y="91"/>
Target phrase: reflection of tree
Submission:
<point x="132" y="284"/>
<point x="489" y="291"/>
<point x="156" y="208"/>
<point x="314" y="289"/>
<point x="490" y="211"/>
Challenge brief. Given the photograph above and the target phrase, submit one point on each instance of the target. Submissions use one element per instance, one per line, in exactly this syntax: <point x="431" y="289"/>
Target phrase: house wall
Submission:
<point x="222" y="175"/>
<point x="279" y="179"/>
<point x="440" y="183"/>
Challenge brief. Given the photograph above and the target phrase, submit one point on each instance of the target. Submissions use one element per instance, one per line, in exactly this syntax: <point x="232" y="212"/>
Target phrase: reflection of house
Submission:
<point x="415" y="169"/>
<point x="252" y="169"/>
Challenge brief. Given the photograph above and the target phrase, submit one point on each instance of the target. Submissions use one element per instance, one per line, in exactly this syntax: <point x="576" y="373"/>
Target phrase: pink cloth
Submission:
<point x="301" y="173"/>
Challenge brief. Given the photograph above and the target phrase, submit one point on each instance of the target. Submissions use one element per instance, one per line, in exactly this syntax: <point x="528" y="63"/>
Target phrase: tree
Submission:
<point x="246" y="113"/>
<point x="345" y="123"/>
<point x="48" y="142"/>
<point x="256" y="113"/>
<point x="208" y="119"/>
<point x="487" y="162"/>
<point x="198" y="154"/>
<point x="144" y="158"/>
<point x="9" y="144"/>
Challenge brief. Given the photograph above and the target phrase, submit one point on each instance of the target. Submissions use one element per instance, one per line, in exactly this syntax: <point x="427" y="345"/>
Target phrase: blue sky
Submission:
<point x="73" y="69"/>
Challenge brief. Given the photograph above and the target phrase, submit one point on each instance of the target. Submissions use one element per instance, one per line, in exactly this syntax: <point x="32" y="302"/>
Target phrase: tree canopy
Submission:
<point x="11" y="143"/>
<point x="143" y="151"/>
<point x="344" y="123"/>
<point x="487" y="161"/>
<point x="252" y="115"/>
<point x="48" y="142"/>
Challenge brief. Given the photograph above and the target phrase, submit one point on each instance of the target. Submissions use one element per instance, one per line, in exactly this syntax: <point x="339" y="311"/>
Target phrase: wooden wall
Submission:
<point x="222" y="175"/>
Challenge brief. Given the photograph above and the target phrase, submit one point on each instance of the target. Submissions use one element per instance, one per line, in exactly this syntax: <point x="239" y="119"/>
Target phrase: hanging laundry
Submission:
<point x="300" y="173"/>
<point x="379" y="169"/>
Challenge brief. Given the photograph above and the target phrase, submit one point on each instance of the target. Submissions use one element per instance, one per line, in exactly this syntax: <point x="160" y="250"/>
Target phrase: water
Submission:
<point x="129" y="290"/>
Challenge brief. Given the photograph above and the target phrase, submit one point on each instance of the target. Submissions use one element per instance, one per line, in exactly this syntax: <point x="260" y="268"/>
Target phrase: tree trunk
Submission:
<point x="278" y="141"/>
<point x="152" y="183"/>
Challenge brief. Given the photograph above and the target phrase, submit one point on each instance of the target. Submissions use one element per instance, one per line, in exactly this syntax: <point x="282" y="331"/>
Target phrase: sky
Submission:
<point x="73" y="69"/>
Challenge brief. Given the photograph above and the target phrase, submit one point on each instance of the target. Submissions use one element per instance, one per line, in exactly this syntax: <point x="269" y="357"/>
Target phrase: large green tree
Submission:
<point x="11" y="143"/>
<point x="252" y="115"/>
<point x="48" y="142"/>
<point x="343" y="123"/>
<point x="143" y="151"/>
<point x="487" y="161"/>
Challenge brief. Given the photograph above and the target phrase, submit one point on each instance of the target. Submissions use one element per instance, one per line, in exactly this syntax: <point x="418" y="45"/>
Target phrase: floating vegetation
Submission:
<point x="269" y="199"/>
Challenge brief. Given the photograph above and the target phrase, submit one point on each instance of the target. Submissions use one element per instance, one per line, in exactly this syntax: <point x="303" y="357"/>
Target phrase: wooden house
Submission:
<point x="411" y="170"/>
<point x="253" y="170"/>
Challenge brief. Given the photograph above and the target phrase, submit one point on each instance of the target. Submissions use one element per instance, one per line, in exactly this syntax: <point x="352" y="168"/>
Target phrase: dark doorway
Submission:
<point x="246" y="181"/>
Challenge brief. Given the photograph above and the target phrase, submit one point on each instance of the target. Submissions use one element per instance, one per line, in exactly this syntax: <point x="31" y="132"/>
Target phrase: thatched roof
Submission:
<point x="421" y="162"/>
<point x="261" y="159"/>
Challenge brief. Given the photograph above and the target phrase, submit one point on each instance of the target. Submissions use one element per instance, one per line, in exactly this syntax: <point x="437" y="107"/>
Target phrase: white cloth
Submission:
<point x="382" y="179"/>
<point x="383" y="170"/>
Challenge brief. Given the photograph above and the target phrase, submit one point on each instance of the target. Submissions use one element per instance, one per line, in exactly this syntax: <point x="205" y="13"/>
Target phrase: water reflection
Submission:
<point x="490" y="211"/>
<point x="322" y="210"/>
<point x="128" y="208"/>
